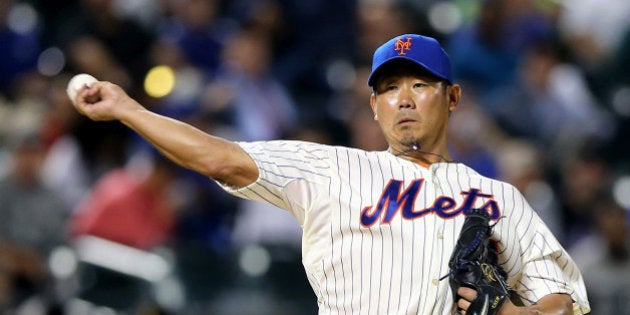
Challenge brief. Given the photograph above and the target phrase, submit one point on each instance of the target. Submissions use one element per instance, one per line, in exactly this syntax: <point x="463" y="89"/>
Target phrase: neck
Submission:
<point x="417" y="154"/>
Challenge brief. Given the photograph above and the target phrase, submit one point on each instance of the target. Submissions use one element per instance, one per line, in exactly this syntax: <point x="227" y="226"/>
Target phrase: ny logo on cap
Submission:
<point x="401" y="46"/>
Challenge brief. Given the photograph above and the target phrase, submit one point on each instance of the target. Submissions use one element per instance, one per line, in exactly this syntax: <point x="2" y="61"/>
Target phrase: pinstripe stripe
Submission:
<point x="341" y="212"/>
<point x="371" y="268"/>
<point x="326" y="284"/>
<point x="326" y="297"/>
<point x="361" y="179"/>
<point x="349" y="224"/>
<point x="332" y="248"/>
<point x="379" y="263"/>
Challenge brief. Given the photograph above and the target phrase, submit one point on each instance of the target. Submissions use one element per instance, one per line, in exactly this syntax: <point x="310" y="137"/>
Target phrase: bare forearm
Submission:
<point x="184" y="144"/>
<point x="552" y="304"/>
<point x="180" y="142"/>
<point x="192" y="148"/>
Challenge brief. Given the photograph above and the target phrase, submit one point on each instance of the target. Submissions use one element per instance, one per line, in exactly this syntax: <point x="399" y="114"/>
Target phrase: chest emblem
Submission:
<point x="394" y="201"/>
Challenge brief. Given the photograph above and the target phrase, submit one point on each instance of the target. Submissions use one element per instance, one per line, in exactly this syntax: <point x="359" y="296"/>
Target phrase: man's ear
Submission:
<point x="373" y="105"/>
<point x="454" y="94"/>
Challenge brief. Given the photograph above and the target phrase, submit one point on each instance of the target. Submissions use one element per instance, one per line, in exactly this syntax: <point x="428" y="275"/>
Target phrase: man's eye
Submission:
<point x="419" y="84"/>
<point x="391" y="87"/>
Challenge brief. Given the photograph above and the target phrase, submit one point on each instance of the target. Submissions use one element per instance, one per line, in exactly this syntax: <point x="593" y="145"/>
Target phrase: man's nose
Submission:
<point x="406" y="101"/>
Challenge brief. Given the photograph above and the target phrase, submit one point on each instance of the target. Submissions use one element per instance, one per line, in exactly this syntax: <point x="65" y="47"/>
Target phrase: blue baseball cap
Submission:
<point x="421" y="50"/>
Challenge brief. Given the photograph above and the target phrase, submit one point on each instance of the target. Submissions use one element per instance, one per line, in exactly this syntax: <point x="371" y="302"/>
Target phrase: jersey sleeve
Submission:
<point x="543" y="266"/>
<point x="554" y="273"/>
<point x="290" y="174"/>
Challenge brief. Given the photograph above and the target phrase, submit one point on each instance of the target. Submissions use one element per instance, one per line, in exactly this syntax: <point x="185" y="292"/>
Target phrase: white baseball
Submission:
<point x="77" y="83"/>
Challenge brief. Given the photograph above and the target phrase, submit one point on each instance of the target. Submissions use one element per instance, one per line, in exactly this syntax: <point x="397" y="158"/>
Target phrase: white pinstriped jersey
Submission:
<point x="379" y="230"/>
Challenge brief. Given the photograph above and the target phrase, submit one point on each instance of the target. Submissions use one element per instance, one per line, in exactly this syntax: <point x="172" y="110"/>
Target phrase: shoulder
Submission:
<point x="283" y="146"/>
<point x="464" y="171"/>
<point x="300" y="148"/>
<point x="302" y="153"/>
<point x="465" y="176"/>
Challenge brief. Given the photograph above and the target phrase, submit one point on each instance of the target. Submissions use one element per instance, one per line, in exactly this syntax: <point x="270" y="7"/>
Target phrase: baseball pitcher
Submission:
<point x="402" y="231"/>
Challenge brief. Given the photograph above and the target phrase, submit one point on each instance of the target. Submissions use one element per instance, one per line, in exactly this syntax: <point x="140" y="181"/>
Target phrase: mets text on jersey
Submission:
<point x="392" y="201"/>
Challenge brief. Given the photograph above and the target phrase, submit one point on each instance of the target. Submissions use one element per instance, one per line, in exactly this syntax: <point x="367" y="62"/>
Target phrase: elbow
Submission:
<point x="228" y="172"/>
<point x="218" y="171"/>
<point x="214" y="169"/>
<point x="229" y="165"/>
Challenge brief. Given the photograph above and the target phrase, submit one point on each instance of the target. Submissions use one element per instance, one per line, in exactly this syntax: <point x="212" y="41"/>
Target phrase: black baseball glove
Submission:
<point x="474" y="264"/>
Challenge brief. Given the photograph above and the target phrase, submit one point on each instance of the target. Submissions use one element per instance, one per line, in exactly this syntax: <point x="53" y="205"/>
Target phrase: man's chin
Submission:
<point x="409" y="142"/>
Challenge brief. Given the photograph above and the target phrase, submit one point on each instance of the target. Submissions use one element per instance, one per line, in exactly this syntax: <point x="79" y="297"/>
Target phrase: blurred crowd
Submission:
<point x="94" y="221"/>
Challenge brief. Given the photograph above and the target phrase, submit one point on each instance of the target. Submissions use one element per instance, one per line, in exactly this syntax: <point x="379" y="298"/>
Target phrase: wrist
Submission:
<point x="509" y="308"/>
<point x="129" y="112"/>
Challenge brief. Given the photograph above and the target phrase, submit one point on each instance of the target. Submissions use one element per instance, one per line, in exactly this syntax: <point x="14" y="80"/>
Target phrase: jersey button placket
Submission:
<point x="433" y="191"/>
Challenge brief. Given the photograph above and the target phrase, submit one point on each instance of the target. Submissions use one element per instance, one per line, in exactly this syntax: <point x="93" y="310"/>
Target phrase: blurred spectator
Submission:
<point x="127" y="207"/>
<point x="112" y="48"/>
<point x="133" y="206"/>
<point x="594" y="29"/>
<point x="266" y="16"/>
<point x="53" y="14"/>
<point x="124" y="38"/>
<point x="26" y="112"/>
<point x="205" y="218"/>
<point x="604" y="258"/>
<point x="265" y="225"/>
<point x="619" y="64"/>
<point x="203" y="243"/>
<point x="184" y="98"/>
<point x="20" y="41"/>
<point x="351" y="106"/>
<point x="377" y="22"/>
<point x="316" y="34"/>
<point x="260" y="106"/>
<point x="584" y="181"/>
<point x="486" y="52"/>
<point x="32" y="225"/>
<point x="617" y="96"/>
<point x="193" y="27"/>
<point x="551" y="104"/>
<point x="64" y="169"/>
<point x="474" y="137"/>
<point x="88" y="54"/>
<point x="102" y="146"/>
<point x="523" y="164"/>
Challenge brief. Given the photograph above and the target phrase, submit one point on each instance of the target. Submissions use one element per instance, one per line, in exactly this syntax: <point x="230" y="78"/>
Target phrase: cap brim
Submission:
<point x="376" y="72"/>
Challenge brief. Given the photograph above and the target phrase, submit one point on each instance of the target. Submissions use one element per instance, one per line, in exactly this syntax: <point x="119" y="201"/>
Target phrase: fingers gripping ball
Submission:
<point x="77" y="83"/>
<point x="474" y="264"/>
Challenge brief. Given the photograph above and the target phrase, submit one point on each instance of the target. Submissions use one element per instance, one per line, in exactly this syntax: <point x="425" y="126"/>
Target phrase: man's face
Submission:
<point x="413" y="107"/>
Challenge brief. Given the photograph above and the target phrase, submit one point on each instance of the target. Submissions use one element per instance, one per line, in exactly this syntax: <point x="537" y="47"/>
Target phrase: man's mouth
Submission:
<point x="406" y="121"/>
